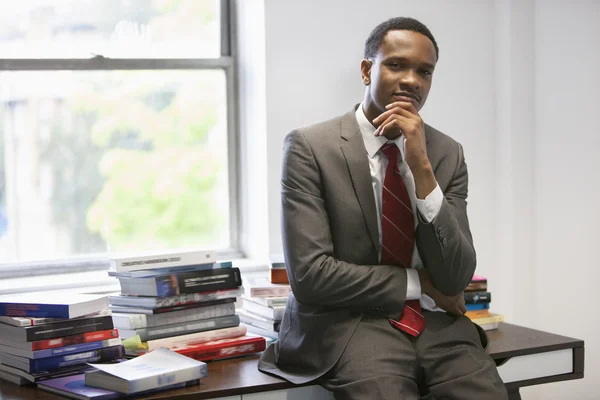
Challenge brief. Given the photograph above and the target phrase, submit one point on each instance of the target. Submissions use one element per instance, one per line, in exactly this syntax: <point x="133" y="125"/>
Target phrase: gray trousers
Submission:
<point x="447" y="361"/>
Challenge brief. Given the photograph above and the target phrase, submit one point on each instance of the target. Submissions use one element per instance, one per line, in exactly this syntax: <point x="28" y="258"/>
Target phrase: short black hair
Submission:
<point x="396" y="24"/>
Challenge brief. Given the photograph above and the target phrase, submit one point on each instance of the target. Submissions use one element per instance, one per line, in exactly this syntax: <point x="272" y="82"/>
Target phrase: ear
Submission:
<point x="365" y="71"/>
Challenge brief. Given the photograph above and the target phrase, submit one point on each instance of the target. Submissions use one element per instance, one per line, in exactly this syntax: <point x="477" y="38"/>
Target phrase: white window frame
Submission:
<point x="226" y="62"/>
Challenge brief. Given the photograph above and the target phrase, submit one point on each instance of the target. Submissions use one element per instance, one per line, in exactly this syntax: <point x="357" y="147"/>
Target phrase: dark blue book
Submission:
<point x="476" y="307"/>
<point x="58" y="351"/>
<point x="74" y="387"/>
<point x="51" y="305"/>
<point x="53" y="363"/>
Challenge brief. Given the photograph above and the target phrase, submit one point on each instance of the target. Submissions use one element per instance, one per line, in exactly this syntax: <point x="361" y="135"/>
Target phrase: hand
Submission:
<point x="402" y="118"/>
<point x="451" y="304"/>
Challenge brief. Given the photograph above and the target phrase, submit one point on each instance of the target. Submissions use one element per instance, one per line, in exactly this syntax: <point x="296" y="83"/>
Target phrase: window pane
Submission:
<point x="112" y="28"/>
<point x="112" y="161"/>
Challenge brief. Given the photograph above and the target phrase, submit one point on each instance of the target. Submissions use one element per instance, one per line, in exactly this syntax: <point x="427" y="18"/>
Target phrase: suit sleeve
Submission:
<point x="445" y="244"/>
<point x="316" y="276"/>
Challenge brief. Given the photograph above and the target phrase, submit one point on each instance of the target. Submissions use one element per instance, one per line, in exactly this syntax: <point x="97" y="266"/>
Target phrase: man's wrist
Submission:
<point x="424" y="280"/>
<point x="425" y="181"/>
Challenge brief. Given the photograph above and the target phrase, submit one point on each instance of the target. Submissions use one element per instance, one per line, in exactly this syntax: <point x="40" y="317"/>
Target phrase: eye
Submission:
<point x="426" y="72"/>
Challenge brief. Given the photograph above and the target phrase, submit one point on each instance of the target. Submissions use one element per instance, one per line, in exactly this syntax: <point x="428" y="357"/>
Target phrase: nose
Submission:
<point x="409" y="80"/>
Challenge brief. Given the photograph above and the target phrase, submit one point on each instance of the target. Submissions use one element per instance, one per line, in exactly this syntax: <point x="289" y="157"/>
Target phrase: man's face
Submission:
<point x="401" y="71"/>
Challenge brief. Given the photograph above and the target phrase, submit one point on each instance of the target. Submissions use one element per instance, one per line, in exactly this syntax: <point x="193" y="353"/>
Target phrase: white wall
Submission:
<point x="517" y="85"/>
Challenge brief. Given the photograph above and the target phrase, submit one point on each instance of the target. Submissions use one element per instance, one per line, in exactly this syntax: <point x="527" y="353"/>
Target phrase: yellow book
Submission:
<point x="493" y="318"/>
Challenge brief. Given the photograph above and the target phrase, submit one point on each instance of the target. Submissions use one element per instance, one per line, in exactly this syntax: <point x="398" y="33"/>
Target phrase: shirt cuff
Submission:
<point x="413" y="285"/>
<point x="430" y="207"/>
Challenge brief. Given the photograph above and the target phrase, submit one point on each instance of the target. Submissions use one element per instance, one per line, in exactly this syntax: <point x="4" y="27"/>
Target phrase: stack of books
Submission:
<point x="159" y="370"/>
<point x="182" y="301"/>
<point x="44" y="335"/>
<point x="477" y="301"/>
<point x="263" y="305"/>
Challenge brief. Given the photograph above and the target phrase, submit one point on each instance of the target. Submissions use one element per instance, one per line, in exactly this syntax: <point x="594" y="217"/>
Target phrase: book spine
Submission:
<point x="478" y="297"/>
<point x="475" y="307"/>
<point x="68" y="328"/>
<point x="227" y="350"/>
<point x="278" y="275"/>
<point x="200" y="305"/>
<point x="74" y="339"/>
<point x="197" y="297"/>
<point x="270" y="292"/>
<point x="100" y="355"/>
<point x="204" y="281"/>
<point x="167" y="261"/>
<point x="76" y="348"/>
<point x="197" y="314"/>
<point x="139" y="321"/>
<point x="195" y="338"/>
<point x="34" y="310"/>
<point x="489" y="320"/>
<point x="160" y="332"/>
<point x="167" y="379"/>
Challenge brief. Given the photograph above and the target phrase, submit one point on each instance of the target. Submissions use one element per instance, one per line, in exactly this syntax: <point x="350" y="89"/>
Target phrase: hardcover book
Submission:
<point x="161" y="260"/>
<point x="61" y="341"/>
<point x="158" y="302"/>
<point x="76" y="348"/>
<point x="181" y="283"/>
<point x="224" y="348"/>
<point x="146" y="273"/>
<point x="261" y="287"/>
<point x="53" y="330"/>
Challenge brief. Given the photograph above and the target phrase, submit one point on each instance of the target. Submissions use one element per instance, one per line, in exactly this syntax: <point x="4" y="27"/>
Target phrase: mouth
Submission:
<point x="407" y="97"/>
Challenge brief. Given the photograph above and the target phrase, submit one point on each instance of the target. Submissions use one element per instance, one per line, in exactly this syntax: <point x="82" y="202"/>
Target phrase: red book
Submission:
<point x="75" y="339"/>
<point x="224" y="348"/>
<point x="278" y="275"/>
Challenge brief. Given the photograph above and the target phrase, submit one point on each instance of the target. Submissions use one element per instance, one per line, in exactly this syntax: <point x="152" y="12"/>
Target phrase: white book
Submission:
<point x="268" y="301"/>
<point x="262" y="287"/>
<point x="196" y="338"/>
<point x="162" y="260"/>
<point x="24" y="321"/>
<point x="154" y="370"/>
<point x="12" y="378"/>
<point x="139" y="321"/>
<point x="274" y="313"/>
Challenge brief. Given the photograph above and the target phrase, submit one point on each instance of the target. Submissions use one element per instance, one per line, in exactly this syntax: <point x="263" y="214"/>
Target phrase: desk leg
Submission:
<point x="514" y="394"/>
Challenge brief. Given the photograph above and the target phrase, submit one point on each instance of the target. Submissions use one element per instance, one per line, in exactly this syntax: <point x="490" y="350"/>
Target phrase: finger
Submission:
<point x="392" y="121"/>
<point x="397" y="110"/>
<point x="407" y="105"/>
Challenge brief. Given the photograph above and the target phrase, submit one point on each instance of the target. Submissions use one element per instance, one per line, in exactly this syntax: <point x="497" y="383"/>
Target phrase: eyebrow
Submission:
<point x="404" y="59"/>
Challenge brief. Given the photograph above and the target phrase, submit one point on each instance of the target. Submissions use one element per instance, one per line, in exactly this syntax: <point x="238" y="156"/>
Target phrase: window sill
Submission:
<point x="95" y="281"/>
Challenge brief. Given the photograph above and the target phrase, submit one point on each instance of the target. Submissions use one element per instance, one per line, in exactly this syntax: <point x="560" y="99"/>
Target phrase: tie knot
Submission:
<point x="392" y="152"/>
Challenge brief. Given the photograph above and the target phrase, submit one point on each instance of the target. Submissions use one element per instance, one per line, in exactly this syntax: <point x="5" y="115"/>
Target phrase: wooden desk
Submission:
<point x="524" y="357"/>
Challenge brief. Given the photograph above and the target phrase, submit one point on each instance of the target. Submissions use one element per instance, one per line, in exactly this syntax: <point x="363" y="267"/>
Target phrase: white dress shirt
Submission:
<point x="428" y="208"/>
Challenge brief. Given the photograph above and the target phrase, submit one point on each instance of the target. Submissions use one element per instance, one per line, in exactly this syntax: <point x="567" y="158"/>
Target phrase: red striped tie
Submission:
<point x="398" y="235"/>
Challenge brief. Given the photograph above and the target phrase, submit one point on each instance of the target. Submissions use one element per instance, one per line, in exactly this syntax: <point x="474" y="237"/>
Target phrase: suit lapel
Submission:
<point x="355" y="154"/>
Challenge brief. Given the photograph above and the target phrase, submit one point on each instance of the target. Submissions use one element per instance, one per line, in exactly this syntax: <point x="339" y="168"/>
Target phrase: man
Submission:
<point x="377" y="243"/>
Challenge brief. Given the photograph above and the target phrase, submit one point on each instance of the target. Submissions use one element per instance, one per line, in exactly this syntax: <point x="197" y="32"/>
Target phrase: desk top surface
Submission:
<point x="240" y="375"/>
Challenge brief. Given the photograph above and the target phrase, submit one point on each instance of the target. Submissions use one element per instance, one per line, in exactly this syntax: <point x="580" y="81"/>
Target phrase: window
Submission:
<point x="117" y="129"/>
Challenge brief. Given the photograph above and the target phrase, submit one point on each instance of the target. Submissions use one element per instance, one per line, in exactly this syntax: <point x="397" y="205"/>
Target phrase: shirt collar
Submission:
<point x="374" y="143"/>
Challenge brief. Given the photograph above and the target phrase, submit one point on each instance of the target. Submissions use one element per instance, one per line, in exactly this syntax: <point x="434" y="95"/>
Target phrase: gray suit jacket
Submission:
<point x="330" y="240"/>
